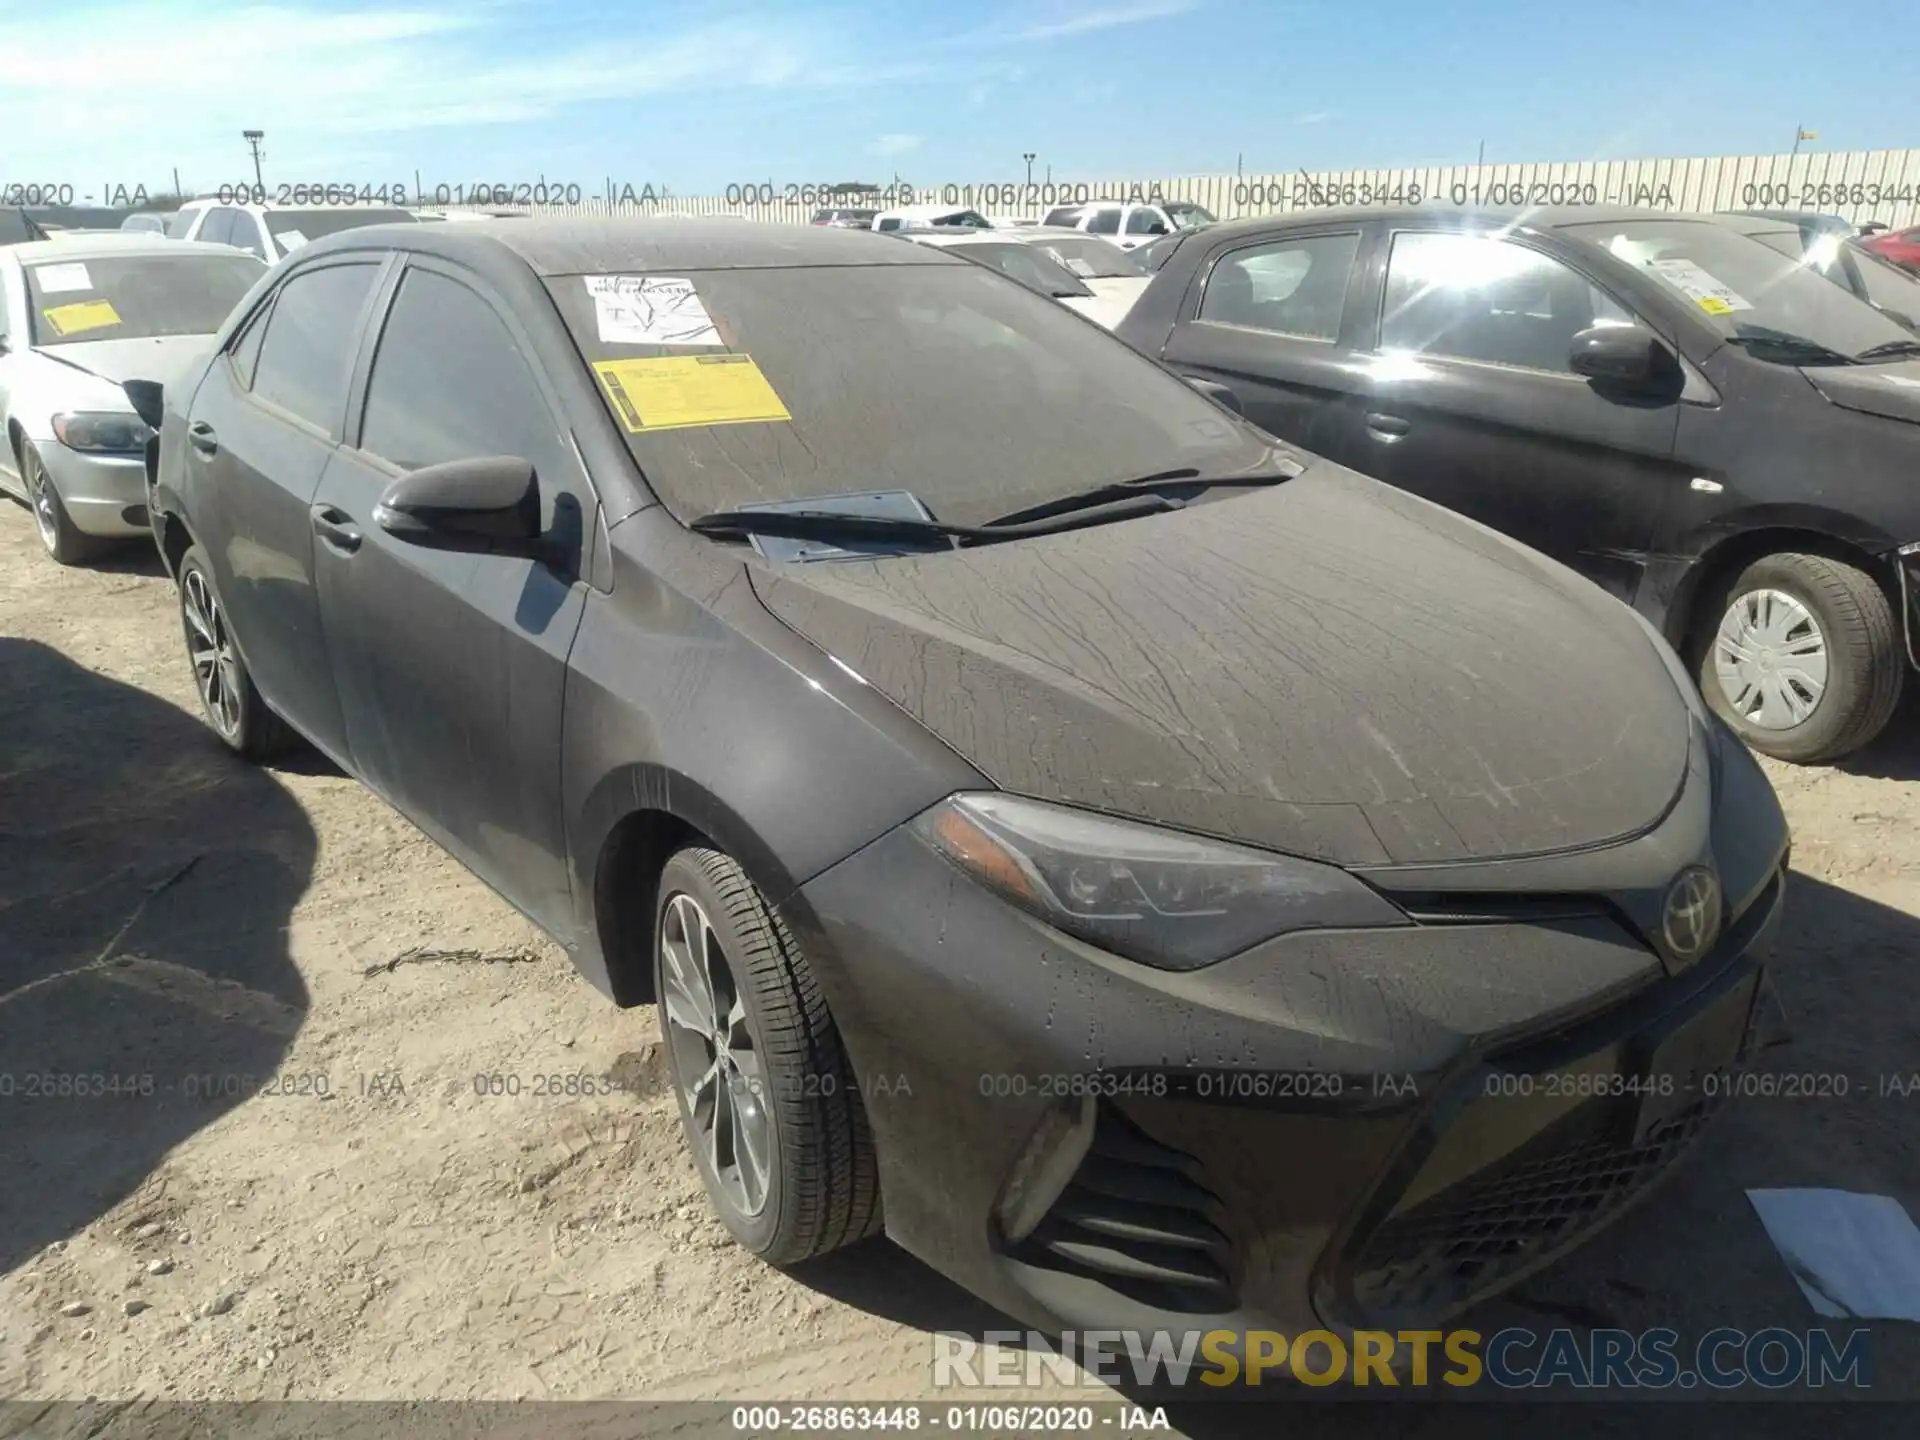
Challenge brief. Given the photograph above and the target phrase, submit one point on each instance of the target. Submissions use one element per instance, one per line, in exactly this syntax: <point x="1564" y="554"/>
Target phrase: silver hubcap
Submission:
<point x="719" y="1071"/>
<point x="216" y="666"/>
<point x="1771" y="659"/>
<point x="41" y="492"/>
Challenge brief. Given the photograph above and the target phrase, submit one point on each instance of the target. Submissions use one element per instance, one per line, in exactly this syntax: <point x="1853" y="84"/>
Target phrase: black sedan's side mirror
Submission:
<point x="1218" y="393"/>
<point x="490" y="504"/>
<point x="1623" y="355"/>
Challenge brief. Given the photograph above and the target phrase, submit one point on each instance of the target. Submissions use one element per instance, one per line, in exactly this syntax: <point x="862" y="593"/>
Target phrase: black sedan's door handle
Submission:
<point x="336" y="527"/>
<point x="1387" y="427"/>
<point x="200" y="435"/>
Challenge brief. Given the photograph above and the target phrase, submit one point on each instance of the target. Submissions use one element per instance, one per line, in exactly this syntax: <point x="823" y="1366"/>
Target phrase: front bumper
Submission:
<point x="105" y="495"/>
<point x="1422" y="1140"/>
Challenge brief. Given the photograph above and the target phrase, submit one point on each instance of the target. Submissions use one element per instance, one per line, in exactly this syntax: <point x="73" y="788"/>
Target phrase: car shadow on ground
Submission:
<point x="1692" y="1258"/>
<point x="1895" y="755"/>
<point x="136" y="557"/>
<point x="146" y="881"/>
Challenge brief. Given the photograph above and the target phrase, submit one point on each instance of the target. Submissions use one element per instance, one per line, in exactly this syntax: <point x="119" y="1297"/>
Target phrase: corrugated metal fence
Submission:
<point x="1861" y="185"/>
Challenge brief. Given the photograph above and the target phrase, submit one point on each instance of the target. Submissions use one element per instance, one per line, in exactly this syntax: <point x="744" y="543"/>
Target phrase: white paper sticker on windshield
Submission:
<point x="290" y="239"/>
<point x="650" y="310"/>
<point x="59" y="279"/>
<point x="1698" y="286"/>
<point x="1082" y="268"/>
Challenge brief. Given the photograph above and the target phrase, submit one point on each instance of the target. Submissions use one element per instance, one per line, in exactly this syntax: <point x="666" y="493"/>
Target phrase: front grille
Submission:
<point x="1474" y="1238"/>
<point x="1137" y="1218"/>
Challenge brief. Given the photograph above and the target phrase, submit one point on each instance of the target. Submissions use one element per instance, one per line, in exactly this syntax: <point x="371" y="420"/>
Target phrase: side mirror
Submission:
<point x="144" y="396"/>
<point x="490" y="505"/>
<point x="1619" y="355"/>
<point x="1221" y="395"/>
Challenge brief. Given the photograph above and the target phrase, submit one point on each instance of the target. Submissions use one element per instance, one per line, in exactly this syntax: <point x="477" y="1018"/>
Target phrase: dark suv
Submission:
<point x="1719" y="436"/>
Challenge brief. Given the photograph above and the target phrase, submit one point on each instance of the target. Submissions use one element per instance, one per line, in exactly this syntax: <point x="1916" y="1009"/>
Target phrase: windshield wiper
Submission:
<point x="1801" y="350"/>
<point x="838" y="525"/>
<point x="1892" y="350"/>
<point x="1114" y="490"/>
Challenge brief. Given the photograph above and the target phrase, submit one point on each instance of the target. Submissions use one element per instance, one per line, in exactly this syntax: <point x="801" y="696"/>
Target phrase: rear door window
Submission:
<point x="1296" y="286"/>
<point x="307" y="352"/>
<point x="1104" y="222"/>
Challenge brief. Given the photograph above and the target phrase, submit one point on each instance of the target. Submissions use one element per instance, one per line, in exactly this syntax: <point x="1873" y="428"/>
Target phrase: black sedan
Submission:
<point x="1043" y="808"/>
<point x="1699" y="423"/>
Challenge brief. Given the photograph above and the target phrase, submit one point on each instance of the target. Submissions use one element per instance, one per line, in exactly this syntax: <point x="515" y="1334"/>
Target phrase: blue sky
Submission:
<point x="697" y="95"/>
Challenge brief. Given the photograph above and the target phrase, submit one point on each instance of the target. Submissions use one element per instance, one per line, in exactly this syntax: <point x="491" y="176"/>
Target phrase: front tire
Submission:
<point x="1803" y="658"/>
<point x="228" y="700"/>
<point x="768" y="1100"/>
<point x="63" y="541"/>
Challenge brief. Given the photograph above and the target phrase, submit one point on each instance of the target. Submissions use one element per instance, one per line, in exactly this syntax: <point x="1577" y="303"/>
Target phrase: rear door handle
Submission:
<point x="1387" y="427"/>
<point x="336" y="527"/>
<point x="200" y="435"/>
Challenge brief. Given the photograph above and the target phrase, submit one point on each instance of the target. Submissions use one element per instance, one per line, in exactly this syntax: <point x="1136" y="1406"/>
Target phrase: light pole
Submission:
<point x="253" y="139"/>
<point x="1029" y="157"/>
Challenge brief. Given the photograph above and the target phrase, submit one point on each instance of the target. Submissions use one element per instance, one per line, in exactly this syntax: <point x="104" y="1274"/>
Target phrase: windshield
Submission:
<point x="1029" y="266"/>
<point x="135" y="297"/>
<point x="1745" y="288"/>
<point x="1088" y="257"/>
<point x="300" y="226"/>
<point x="979" y="397"/>
<point x="1894" y="290"/>
<point x="1186" y="216"/>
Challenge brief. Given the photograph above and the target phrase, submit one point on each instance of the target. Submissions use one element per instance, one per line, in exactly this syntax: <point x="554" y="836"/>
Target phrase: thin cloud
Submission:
<point x="1087" y="22"/>
<point x="895" y="144"/>
<point x="1316" y="117"/>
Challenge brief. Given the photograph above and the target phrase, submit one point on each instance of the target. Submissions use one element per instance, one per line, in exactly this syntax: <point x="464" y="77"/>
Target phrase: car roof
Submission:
<point x="596" y="245"/>
<point x="908" y="212"/>
<point x="112" y="245"/>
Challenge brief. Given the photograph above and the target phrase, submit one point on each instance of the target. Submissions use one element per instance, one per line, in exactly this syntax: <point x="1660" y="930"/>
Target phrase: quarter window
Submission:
<point x="1104" y="222"/>
<point x="1473" y="297"/>
<point x="1145" y="222"/>
<point x="449" y="383"/>
<point x="1296" y="286"/>
<point x="307" y="352"/>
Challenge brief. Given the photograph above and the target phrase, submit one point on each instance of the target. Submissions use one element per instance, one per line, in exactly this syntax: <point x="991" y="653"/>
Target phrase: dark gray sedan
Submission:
<point x="1150" y="870"/>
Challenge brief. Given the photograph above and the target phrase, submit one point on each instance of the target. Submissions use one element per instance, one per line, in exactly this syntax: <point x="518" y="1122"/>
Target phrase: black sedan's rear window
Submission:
<point x="736" y="387"/>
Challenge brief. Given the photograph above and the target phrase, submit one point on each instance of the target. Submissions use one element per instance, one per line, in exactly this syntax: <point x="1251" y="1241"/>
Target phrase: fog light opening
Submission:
<point x="1046" y="1165"/>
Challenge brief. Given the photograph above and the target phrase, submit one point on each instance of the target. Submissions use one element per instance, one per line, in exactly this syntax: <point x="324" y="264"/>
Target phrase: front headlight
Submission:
<point x="1157" y="896"/>
<point x="102" y="432"/>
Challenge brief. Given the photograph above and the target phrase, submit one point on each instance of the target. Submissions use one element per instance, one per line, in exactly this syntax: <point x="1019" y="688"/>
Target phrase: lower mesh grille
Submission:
<point x="1472" y="1239"/>
<point x="1136" y="1218"/>
<point x="1466" y="1243"/>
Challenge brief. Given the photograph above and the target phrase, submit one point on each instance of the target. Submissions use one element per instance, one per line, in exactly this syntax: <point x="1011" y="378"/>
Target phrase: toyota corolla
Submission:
<point x="1148" y="870"/>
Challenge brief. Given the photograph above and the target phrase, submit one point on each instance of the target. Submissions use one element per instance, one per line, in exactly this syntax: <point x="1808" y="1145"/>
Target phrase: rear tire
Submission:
<point x="786" y="1077"/>
<point x="63" y="541"/>
<point x="1803" y="657"/>
<point x="228" y="700"/>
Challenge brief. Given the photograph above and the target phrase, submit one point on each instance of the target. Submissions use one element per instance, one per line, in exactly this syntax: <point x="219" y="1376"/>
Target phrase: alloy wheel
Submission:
<point x="40" y="493"/>
<point x="216" y="665"/>
<point x="1770" y="657"/>
<point x="716" y="1063"/>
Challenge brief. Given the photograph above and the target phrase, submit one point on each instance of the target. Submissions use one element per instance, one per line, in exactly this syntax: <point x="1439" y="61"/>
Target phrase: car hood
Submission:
<point x="1891" y="390"/>
<point x="1104" y="310"/>
<point x="162" y="358"/>
<point x="1331" y="668"/>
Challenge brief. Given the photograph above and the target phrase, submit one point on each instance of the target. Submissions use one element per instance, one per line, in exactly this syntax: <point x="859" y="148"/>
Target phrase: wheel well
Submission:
<point x="1718" y="567"/>
<point x="625" y="887"/>
<point x="175" y="538"/>
<point x="15" y="435"/>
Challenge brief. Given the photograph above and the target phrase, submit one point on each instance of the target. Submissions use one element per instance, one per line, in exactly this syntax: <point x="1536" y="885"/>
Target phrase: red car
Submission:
<point x="1902" y="247"/>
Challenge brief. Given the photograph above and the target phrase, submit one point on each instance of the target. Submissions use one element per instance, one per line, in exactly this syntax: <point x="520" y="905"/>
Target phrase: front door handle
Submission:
<point x="200" y="435"/>
<point x="1387" y="427"/>
<point x="336" y="527"/>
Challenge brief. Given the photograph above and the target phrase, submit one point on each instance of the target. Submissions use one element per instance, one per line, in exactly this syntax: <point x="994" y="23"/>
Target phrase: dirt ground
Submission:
<point x="166" y="911"/>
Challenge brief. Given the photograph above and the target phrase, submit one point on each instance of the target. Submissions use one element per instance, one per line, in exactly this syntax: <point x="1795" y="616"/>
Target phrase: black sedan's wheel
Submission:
<point x="228" y="699"/>
<point x="65" y="542"/>
<point x="1804" y="660"/>
<point x="767" y="1099"/>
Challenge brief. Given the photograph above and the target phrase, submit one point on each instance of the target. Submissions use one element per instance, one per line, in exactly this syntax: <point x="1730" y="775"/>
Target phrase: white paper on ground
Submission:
<point x="59" y="279"/>
<point x="1854" y="1256"/>
<point x="650" y="310"/>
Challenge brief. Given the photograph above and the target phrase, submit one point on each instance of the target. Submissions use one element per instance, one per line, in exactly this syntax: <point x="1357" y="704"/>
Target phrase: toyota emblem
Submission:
<point x="1690" y="920"/>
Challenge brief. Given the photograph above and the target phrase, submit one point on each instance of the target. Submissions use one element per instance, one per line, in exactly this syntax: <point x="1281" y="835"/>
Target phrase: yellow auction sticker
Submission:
<point x="1713" y="305"/>
<point x="85" y="315"/>
<point x="676" y="392"/>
